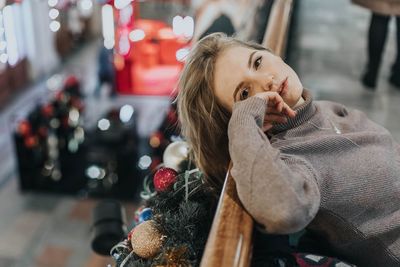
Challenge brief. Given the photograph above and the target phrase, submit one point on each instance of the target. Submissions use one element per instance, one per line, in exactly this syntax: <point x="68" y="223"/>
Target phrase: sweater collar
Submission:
<point x="304" y="112"/>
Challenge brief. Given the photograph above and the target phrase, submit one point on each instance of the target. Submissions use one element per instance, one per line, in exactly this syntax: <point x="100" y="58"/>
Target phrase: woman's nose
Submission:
<point x="266" y="82"/>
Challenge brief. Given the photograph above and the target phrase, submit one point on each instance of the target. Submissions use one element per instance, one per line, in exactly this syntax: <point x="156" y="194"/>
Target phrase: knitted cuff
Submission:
<point x="251" y="108"/>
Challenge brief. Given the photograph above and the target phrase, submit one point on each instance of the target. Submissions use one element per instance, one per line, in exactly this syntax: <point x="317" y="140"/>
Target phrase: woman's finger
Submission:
<point x="274" y="118"/>
<point x="275" y="103"/>
<point x="273" y="97"/>
<point x="289" y="111"/>
<point x="279" y="106"/>
<point x="285" y="110"/>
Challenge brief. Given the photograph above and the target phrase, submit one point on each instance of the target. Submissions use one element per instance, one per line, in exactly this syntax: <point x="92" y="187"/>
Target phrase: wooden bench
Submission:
<point x="230" y="239"/>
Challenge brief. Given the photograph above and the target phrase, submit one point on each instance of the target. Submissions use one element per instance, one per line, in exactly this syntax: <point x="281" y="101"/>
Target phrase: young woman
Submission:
<point x="297" y="163"/>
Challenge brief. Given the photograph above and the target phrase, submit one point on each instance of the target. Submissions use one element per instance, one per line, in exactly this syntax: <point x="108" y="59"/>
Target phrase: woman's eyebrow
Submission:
<point x="251" y="59"/>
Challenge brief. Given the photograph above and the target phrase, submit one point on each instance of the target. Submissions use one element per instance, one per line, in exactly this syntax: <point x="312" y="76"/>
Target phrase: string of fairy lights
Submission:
<point x="84" y="8"/>
<point x="11" y="50"/>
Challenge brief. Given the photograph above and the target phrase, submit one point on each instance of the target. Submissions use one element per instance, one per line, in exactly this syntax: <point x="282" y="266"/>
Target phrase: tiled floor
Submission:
<point x="54" y="231"/>
<point x="45" y="230"/>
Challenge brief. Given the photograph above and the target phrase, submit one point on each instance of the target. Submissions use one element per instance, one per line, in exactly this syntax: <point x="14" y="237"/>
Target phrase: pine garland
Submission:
<point x="184" y="215"/>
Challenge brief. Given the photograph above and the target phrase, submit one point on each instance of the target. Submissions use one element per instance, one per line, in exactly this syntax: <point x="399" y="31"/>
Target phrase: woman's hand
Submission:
<point x="277" y="110"/>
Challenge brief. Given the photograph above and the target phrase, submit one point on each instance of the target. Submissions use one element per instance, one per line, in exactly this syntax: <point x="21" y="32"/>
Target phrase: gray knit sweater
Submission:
<point x="330" y="170"/>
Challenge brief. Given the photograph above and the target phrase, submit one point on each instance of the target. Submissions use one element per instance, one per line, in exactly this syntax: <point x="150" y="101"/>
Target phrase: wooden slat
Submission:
<point x="275" y="36"/>
<point x="230" y="239"/>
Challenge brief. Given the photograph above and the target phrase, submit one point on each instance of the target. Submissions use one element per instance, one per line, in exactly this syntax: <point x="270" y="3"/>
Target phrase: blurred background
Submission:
<point x="86" y="102"/>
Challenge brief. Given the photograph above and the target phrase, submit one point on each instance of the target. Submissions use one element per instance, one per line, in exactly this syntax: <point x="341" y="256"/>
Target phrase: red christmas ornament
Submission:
<point x="71" y="81"/>
<point x="77" y="103"/>
<point x="164" y="178"/>
<point x="172" y="117"/>
<point x="43" y="131"/>
<point x="31" y="141"/>
<point x="60" y="96"/>
<point x="24" y="128"/>
<point x="47" y="110"/>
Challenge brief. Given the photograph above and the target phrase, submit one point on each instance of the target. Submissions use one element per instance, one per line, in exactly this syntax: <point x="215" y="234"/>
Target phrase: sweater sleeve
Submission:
<point x="278" y="190"/>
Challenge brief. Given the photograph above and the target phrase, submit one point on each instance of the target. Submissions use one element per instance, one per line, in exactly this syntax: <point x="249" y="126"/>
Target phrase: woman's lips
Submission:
<point x="284" y="86"/>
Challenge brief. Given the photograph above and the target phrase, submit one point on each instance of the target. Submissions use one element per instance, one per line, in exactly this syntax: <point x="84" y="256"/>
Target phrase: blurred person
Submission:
<point x="297" y="163"/>
<point x="382" y="11"/>
<point x="106" y="72"/>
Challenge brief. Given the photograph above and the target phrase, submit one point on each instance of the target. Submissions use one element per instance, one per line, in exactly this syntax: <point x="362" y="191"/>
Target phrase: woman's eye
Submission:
<point x="244" y="94"/>
<point x="257" y="63"/>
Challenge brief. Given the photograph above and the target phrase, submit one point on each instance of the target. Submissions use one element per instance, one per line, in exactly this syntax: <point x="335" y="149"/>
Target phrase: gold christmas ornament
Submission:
<point x="175" y="153"/>
<point x="146" y="240"/>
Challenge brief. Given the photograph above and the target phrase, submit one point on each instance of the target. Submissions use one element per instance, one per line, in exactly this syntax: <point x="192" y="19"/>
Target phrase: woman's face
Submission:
<point x="242" y="72"/>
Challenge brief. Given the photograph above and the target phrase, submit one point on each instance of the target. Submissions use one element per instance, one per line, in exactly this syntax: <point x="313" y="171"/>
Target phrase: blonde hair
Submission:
<point x="203" y="120"/>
